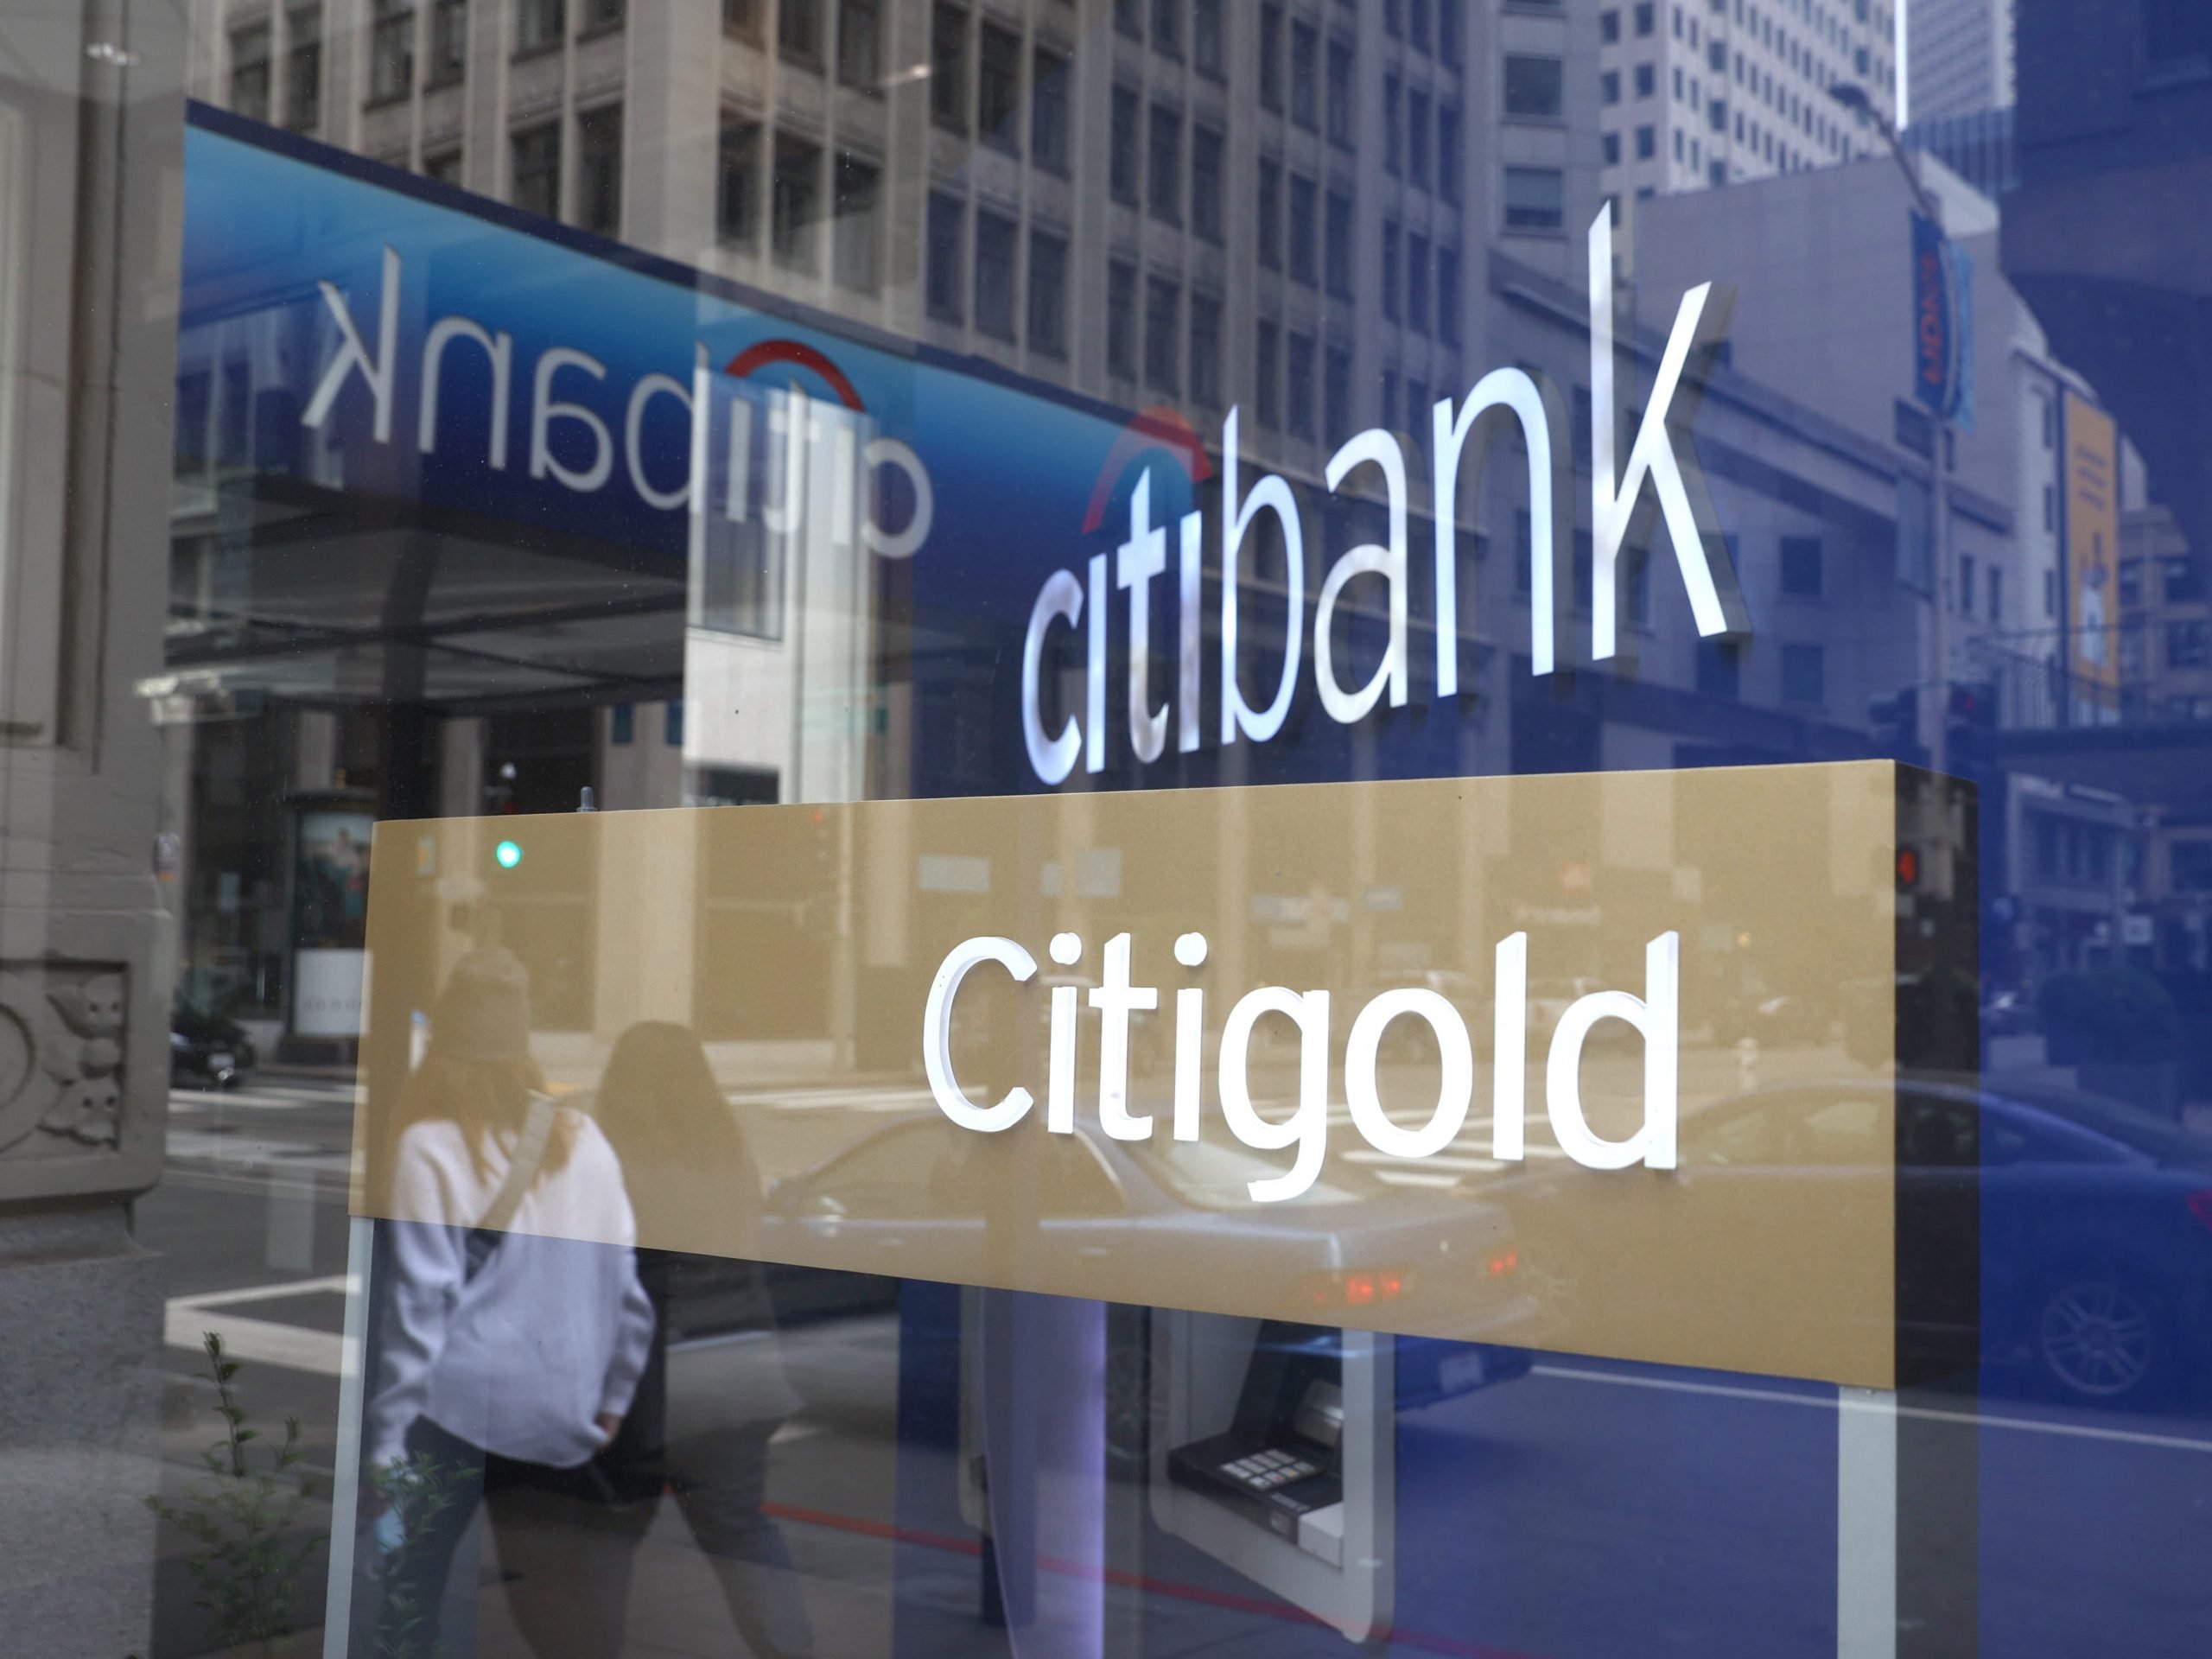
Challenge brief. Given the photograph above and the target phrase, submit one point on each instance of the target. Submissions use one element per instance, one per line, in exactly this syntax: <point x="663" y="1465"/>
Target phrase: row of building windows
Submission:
<point x="794" y="166"/>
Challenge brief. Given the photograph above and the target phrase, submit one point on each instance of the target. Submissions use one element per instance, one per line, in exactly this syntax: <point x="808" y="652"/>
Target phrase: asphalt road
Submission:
<point x="1587" y="1509"/>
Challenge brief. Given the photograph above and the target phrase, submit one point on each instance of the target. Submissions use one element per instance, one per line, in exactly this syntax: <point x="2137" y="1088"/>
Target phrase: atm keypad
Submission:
<point x="1263" y="1471"/>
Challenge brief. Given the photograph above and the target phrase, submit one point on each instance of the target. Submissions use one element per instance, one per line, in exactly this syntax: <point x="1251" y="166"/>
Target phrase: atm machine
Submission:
<point x="1274" y="1452"/>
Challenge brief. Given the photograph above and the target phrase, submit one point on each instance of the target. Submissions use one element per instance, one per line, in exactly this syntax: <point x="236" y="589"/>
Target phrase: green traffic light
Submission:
<point x="509" y="853"/>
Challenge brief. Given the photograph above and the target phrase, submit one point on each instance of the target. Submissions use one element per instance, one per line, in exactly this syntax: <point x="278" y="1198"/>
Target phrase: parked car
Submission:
<point x="208" y="1050"/>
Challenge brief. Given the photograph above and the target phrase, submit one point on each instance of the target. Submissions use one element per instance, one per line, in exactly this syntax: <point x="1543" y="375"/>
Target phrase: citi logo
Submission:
<point x="1116" y="1000"/>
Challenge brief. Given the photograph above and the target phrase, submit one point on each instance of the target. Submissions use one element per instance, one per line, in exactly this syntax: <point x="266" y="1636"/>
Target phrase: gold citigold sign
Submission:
<point x="1601" y="1064"/>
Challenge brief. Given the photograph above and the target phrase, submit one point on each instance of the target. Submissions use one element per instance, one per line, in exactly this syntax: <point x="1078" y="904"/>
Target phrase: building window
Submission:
<point x="1048" y="112"/>
<point x="1206" y="50"/>
<point x="1394" y="144"/>
<point x="1535" y="199"/>
<point x="737" y="206"/>
<point x="1121" y="320"/>
<point x="1417" y="284"/>
<point x="599" y="169"/>
<point x="1646" y="81"/>
<point x="853" y="258"/>
<point x="1129" y="18"/>
<point x="538" y="25"/>
<point x="2189" y="645"/>
<point x="1609" y="146"/>
<point x="1336" y="259"/>
<point x="536" y="159"/>
<point x="1448" y="33"/>
<point x="1447" y="296"/>
<point x="1336" y="393"/>
<point x="948" y="263"/>
<point x="1164" y="185"/>
<point x="1417" y="23"/>
<point x="1609" y="87"/>
<point x="1804" y="674"/>
<point x="1121" y="154"/>
<point x="796" y="202"/>
<point x="1340" y="85"/>
<point x="1643" y="17"/>
<point x="1535" y="86"/>
<point x="391" y="51"/>
<point x="1609" y="27"/>
<point x="1417" y="139"/>
<point x="448" y="42"/>
<point x="1447" y="154"/>
<point x="998" y="89"/>
<point x="2130" y="584"/>
<point x="1719" y="669"/>
<point x="860" y="43"/>
<point x="1271" y="58"/>
<point x="1392" y="251"/>
<point x="1997" y="594"/>
<point x="995" y="256"/>
<point x="1267" y="215"/>
<point x="444" y="167"/>
<point x="742" y="19"/>
<point x="249" y="72"/>
<point x="1305" y="73"/>
<point x="1163" y="335"/>
<point x="1048" y="294"/>
<point x="303" y="68"/>
<point x="1267" y="359"/>
<point x="1802" y="576"/>
<point x="1205" y="350"/>
<point x="2179" y="580"/>
<point x="948" y="68"/>
<point x="1302" y="215"/>
<point x="1206" y="154"/>
<point x="601" y="15"/>
<point x="1167" y="28"/>
<point x="1298" y="388"/>
<point x="798" y="32"/>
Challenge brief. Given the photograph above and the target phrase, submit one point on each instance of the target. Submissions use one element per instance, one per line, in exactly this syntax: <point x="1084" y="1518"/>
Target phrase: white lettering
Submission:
<point x="1114" y="1000"/>
<point x="1455" y="1090"/>
<point x="499" y="350"/>
<point x="648" y="388"/>
<point x="543" y="412"/>
<point x="1535" y="403"/>
<point x="1051" y="758"/>
<point x="1377" y="447"/>
<point x="1140" y="558"/>
<point x="1308" y="1127"/>
<point x="1272" y="495"/>
<point x="937" y="1035"/>
<point x="352" y="355"/>
<point x="1657" y="1015"/>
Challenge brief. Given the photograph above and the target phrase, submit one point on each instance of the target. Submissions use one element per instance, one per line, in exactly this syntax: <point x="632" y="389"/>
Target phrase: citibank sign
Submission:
<point x="1502" y="398"/>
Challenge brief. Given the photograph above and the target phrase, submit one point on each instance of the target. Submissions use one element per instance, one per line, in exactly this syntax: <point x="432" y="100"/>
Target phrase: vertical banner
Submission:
<point x="330" y="919"/>
<point x="1942" y="325"/>
<point x="2092" y="541"/>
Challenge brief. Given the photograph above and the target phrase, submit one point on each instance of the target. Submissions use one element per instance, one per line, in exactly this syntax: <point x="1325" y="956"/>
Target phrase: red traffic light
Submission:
<point x="1908" y="867"/>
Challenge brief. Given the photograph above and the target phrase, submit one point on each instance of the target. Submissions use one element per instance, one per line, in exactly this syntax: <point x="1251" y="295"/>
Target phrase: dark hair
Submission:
<point x="666" y="1116"/>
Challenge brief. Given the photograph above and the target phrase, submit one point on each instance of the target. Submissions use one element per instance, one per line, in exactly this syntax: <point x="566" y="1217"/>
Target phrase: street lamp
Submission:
<point x="1852" y="96"/>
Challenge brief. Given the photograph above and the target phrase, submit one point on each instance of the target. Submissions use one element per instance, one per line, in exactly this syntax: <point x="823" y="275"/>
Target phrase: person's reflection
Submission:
<point x="688" y="1165"/>
<point x="509" y="1350"/>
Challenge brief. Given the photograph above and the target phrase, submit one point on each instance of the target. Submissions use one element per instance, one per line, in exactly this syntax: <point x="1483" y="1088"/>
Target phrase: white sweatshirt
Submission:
<point x="551" y="1331"/>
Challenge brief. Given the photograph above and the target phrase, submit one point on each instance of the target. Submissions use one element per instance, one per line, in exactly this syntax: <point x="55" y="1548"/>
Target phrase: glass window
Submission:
<point x="1206" y="43"/>
<point x="1800" y="566"/>
<point x="250" y="77"/>
<point x="1303" y="230"/>
<point x="1267" y="215"/>
<point x="856" y="260"/>
<point x="799" y="32"/>
<point x="1267" y="368"/>
<point x="1535" y="198"/>
<point x="535" y="164"/>
<point x="860" y="43"/>
<point x="448" y="42"/>
<point x="1164" y="192"/>
<point x="1048" y="290"/>
<point x="391" y="51"/>
<point x="599" y="169"/>
<point x="1207" y="146"/>
<point x="1121" y="320"/>
<point x="1271" y="75"/>
<point x="949" y="68"/>
<point x="998" y="88"/>
<point x="1535" y="86"/>
<point x="1048" y="113"/>
<point x="1305" y="73"/>
<point x="948" y="256"/>
<point x="1122" y="147"/>
<point x="995" y="279"/>
<point x="1338" y="238"/>
<point x="1163" y="335"/>
<point x="796" y="205"/>
<point x="539" y="25"/>
<point x="1205" y="350"/>
<point x="303" y="68"/>
<point x="737" y="196"/>
<point x="1297" y="385"/>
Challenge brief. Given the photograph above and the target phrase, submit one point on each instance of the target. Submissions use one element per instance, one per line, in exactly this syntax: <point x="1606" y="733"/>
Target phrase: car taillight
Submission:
<point x="2200" y="1205"/>
<point x="1364" y="1288"/>
<point x="1504" y="1263"/>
